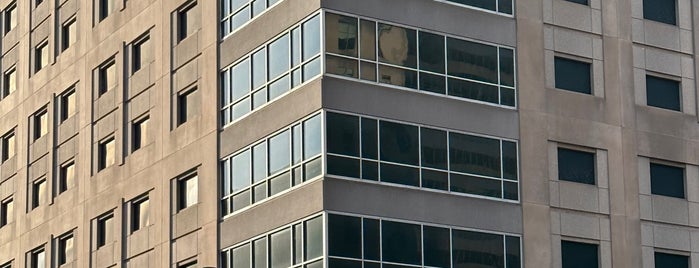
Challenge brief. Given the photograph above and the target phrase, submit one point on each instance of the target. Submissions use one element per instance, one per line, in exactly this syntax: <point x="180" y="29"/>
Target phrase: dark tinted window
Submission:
<point x="343" y="134"/>
<point x="662" y="93"/>
<point x="436" y="246"/>
<point x="473" y="249"/>
<point x="666" y="180"/>
<point x="578" y="255"/>
<point x="344" y="236"/>
<point x="472" y="60"/>
<point x="582" y="2"/>
<point x="665" y="260"/>
<point x="487" y="4"/>
<point x="399" y="143"/>
<point x="431" y="52"/>
<point x="576" y="166"/>
<point x="370" y="135"/>
<point x="512" y="250"/>
<point x="473" y="154"/>
<point x="401" y="242"/>
<point x="573" y="75"/>
<point x="660" y="10"/>
<point x="434" y="148"/>
<point x="372" y="234"/>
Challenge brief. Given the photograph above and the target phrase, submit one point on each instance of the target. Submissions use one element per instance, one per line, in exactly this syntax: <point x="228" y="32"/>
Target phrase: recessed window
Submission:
<point x="38" y="2"/>
<point x="187" y="192"/>
<point x="188" y="265"/>
<point x="579" y="255"/>
<point x="140" y="133"/>
<point x="7" y="212"/>
<point x="142" y="53"/>
<point x="664" y="11"/>
<point x="68" y="103"/>
<point x="8" y="146"/>
<point x="69" y="33"/>
<point x="10" y="17"/>
<point x="38" y="258"/>
<point x="573" y="75"/>
<point x="66" y="177"/>
<point x="140" y="214"/>
<point x="663" y="260"/>
<point x="663" y="93"/>
<point x="66" y="249"/>
<point x="39" y="193"/>
<point x="582" y="2"/>
<point x="185" y="25"/>
<point x="667" y="180"/>
<point x="41" y="56"/>
<point x="41" y="124"/>
<point x="9" y="82"/>
<point x="106" y="153"/>
<point x="105" y="8"/>
<point x="185" y="103"/>
<point x="104" y="230"/>
<point x="106" y="75"/>
<point x="576" y="166"/>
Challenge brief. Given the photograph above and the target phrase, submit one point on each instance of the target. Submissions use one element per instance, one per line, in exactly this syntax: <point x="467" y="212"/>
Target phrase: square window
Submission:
<point x="7" y="212"/>
<point x="106" y="76"/>
<point x="39" y="193"/>
<point x="663" y="93"/>
<point x="573" y="75"/>
<point x="41" y="124"/>
<point x="667" y="180"/>
<point x="576" y="166"/>
<point x="66" y="177"/>
<point x="140" y="214"/>
<point x="575" y="254"/>
<point x="187" y="192"/>
<point x="67" y="104"/>
<point x="8" y="146"/>
<point x="663" y="260"/>
<point x="104" y="230"/>
<point x="38" y="258"/>
<point x="142" y="53"/>
<point x="106" y="153"/>
<point x="105" y="8"/>
<point x="184" y="110"/>
<point x="185" y="27"/>
<point x="140" y="133"/>
<point x="10" y="17"/>
<point x="66" y="249"/>
<point x="41" y="56"/>
<point x="664" y="11"/>
<point x="69" y="33"/>
<point x="10" y="82"/>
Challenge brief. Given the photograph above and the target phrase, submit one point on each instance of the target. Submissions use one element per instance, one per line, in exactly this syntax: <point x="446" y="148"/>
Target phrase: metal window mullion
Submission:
<point x="378" y="148"/>
<point x="502" y="168"/>
<point x="497" y="67"/>
<point x="446" y="66"/>
<point x="419" y="155"/>
<point x="361" y="153"/>
<point x="448" y="161"/>
<point x="504" y="250"/>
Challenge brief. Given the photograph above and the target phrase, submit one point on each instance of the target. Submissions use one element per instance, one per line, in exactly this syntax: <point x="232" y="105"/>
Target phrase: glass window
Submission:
<point x="7" y="212"/>
<point x="343" y="134"/>
<point x="8" y="146"/>
<point x="397" y="45"/>
<point x="241" y="257"/>
<point x="311" y="38"/>
<point x="399" y="143"/>
<point x="507" y="67"/>
<point x="664" y="11"/>
<point x="368" y="39"/>
<point x="10" y="82"/>
<point x="473" y="154"/>
<point x="240" y="80"/>
<point x="663" y="93"/>
<point x="41" y="124"/>
<point x="105" y="230"/>
<point x="401" y="242"/>
<point x="260" y="253"/>
<point x="259" y="153"/>
<point x="65" y="249"/>
<point x="280" y="249"/>
<point x="279" y="152"/>
<point x="344" y="239"/>
<point x="475" y="249"/>
<point x="38" y="258"/>
<point x="39" y="194"/>
<point x="372" y="241"/>
<point x="41" y="56"/>
<point x="341" y="34"/>
<point x="140" y="214"/>
<point x="107" y="77"/>
<point x="434" y="148"/>
<point x="436" y="246"/>
<point x="69" y="33"/>
<point x="512" y="251"/>
<point x="259" y="76"/>
<point x="241" y="171"/>
<point x="509" y="160"/>
<point x="472" y="60"/>
<point x="279" y="56"/>
<point x="667" y="180"/>
<point x="666" y="260"/>
<point x="140" y="133"/>
<point x="579" y="255"/>
<point x="66" y="177"/>
<point x="431" y="52"/>
<point x="188" y="192"/>
<point x="106" y="154"/>
<point x="10" y="17"/>
<point x="142" y="53"/>
<point x="576" y="166"/>
<point x="370" y="143"/>
<point x="313" y="238"/>
<point x="490" y="5"/>
<point x="582" y="2"/>
<point x="573" y="75"/>
<point x="68" y="104"/>
<point x="311" y="137"/>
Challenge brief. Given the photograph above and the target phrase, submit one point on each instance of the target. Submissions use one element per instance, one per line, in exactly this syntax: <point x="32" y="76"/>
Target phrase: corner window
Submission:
<point x="140" y="133"/>
<point x="66" y="177"/>
<point x="39" y="193"/>
<point x="8" y="146"/>
<point x="663" y="260"/>
<point x="106" y="77"/>
<point x="573" y="75"/>
<point x="9" y="82"/>
<point x="104" y="230"/>
<point x="667" y="180"/>
<point x="67" y="104"/>
<point x="140" y="214"/>
<point x="664" y="11"/>
<point x="10" y="14"/>
<point x="7" y="212"/>
<point x="66" y="249"/>
<point x="187" y="192"/>
<point x="106" y="153"/>
<point x="41" y="124"/>
<point x="663" y="93"/>
<point x="579" y="255"/>
<point x="69" y="33"/>
<point x="576" y="166"/>
<point x="41" y="56"/>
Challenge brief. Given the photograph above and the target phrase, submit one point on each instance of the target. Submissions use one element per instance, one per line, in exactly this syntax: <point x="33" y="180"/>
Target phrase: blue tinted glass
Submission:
<point x="311" y="38"/>
<point x="664" y="11"/>
<point x="311" y="137"/>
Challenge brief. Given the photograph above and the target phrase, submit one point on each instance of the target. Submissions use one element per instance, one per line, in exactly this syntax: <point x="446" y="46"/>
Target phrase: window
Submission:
<point x="663" y="93"/>
<point x="7" y="212"/>
<point x="41" y="56"/>
<point x="8" y="146"/>
<point x="185" y="106"/>
<point x="187" y="192"/>
<point x="192" y="264"/>
<point x="41" y="124"/>
<point x="140" y="133"/>
<point x="573" y="75"/>
<point x="667" y="180"/>
<point x="67" y="104"/>
<point x="38" y="2"/>
<point x="69" y="33"/>
<point x="142" y="53"/>
<point x="10" y="82"/>
<point x="666" y="260"/>
<point x="105" y="8"/>
<point x="582" y="2"/>
<point x="104" y="230"/>
<point x="140" y="214"/>
<point x="503" y="6"/>
<point x="576" y="166"/>
<point x="10" y="17"/>
<point x="579" y="255"/>
<point x="106" y="153"/>
<point x="66" y="249"/>
<point x="106" y="76"/>
<point x="66" y="177"/>
<point x="185" y="22"/>
<point x="664" y="11"/>
<point x="38" y="258"/>
<point x="39" y="193"/>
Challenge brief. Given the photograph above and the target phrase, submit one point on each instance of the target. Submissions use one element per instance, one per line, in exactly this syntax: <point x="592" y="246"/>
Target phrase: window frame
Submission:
<point x="103" y="152"/>
<point x="577" y="241"/>
<point x="183" y="100"/>
<point x="10" y="15"/>
<point x="664" y="78"/>
<point x="101" y="228"/>
<point x="63" y="178"/>
<point x="183" y="19"/>
<point x="40" y="62"/>
<point x="66" y="33"/>
<point x="103" y="84"/>
<point x="37" y="198"/>
<point x="139" y="139"/>
<point x="61" y="252"/>
<point x="9" y="140"/>
<point x="138" y="62"/>
<point x="181" y="191"/>
<point x="9" y="76"/>
<point x="662" y="163"/>
<point x="7" y="216"/>
<point x="64" y="104"/>
<point x="136" y="209"/>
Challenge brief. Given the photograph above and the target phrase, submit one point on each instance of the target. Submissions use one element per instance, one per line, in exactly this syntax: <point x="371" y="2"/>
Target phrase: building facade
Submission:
<point x="328" y="133"/>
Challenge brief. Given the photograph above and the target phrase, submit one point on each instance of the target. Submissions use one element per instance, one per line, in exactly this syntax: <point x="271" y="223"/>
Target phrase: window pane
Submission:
<point x="279" y="56"/>
<point x="431" y="52"/>
<point x="471" y="60"/>
<point x="401" y="242"/>
<point x="667" y="180"/>
<point x="507" y="65"/>
<point x="259" y="75"/>
<point x="474" y="249"/>
<point x="240" y="79"/>
<point x="582" y="2"/>
<point x="241" y="257"/>
<point x="579" y="255"/>
<point x="344" y="239"/>
<point x="372" y="234"/>
<point x="475" y="185"/>
<point x="663" y="260"/>
<point x="512" y="249"/>
<point x="473" y="154"/>
<point x="311" y="38"/>
<point x="343" y="134"/>
<point x="509" y="160"/>
<point x="660" y="10"/>
<point x="397" y="45"/>
<point x="314" y="238"/>
<point x="433" y="83"/>
<point x="370" y="137"/>
<point x="368" y="39"/>
<point x="663" y="93"/>
<point x="434" y="148"/>
<point x="573" y="75"/>
<point x="472" y="90"/>
<point x="279" y="152"/>
<point x="311" y="137"/>
<point x="397" y="76"/>
<point x="399" y="143"/>
<point x="280" y="183"/>
<point x="343" y="166"/>
<point x="280" y="250"/>
<point x="400" y="174"/>
<point x="341" y="34"/>
<point x="192" y="192"/>
<point x="576" y="166"/>
<point x="436" y="246"/>
<point x="490" y="5"/>
<point x="144" y="213"/>
<point x="241" y="170"/>
<point x="341" y="66"/>
<point x="435" y="179"/>
<point x="260" y="253"/>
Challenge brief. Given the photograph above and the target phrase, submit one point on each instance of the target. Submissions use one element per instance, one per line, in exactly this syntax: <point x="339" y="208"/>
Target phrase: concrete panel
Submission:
<point x="578" y="196"/>
<point x="580" y="225"/>
<point x="670" y="210"/>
